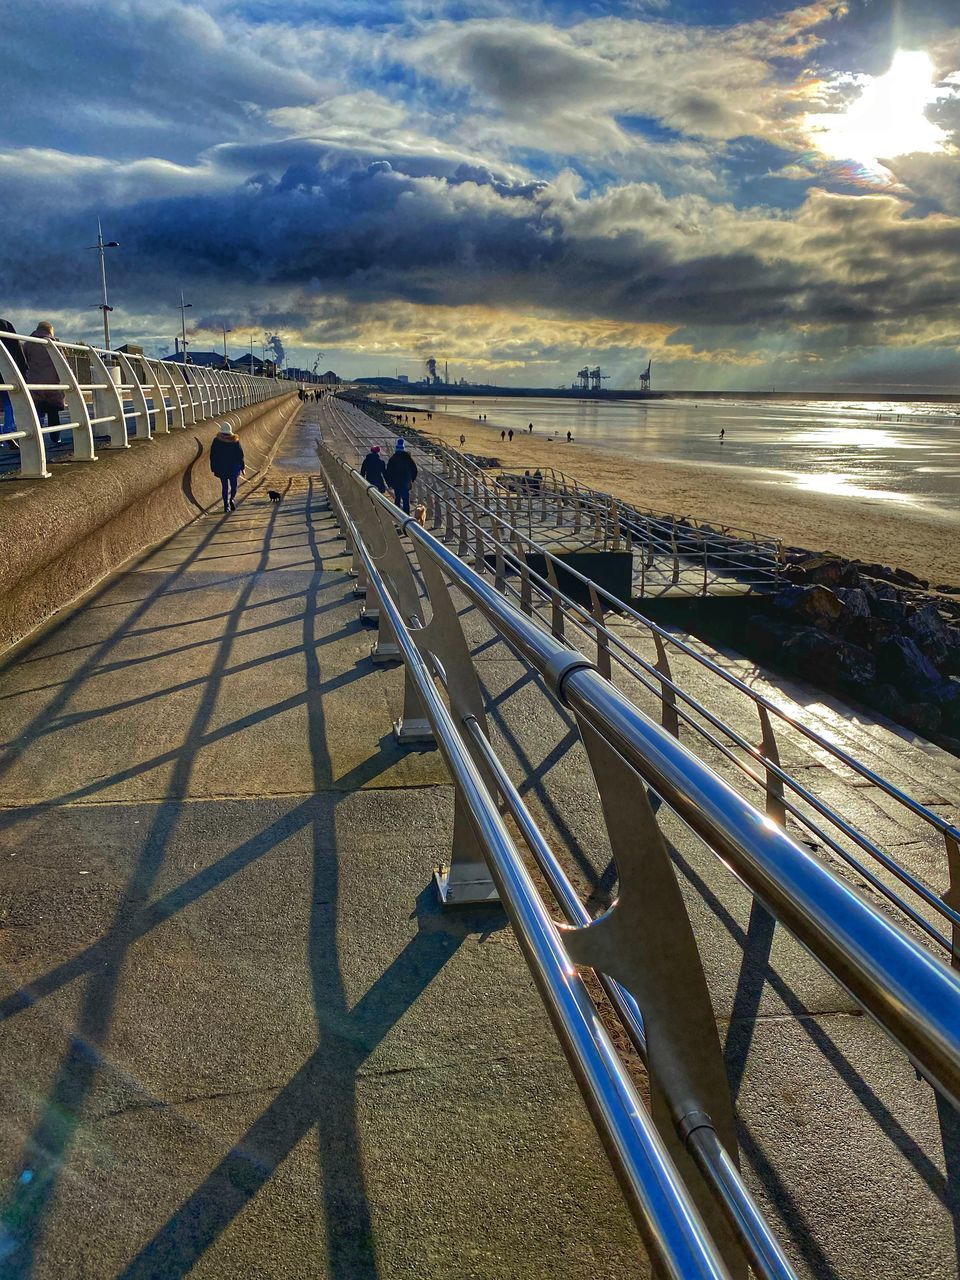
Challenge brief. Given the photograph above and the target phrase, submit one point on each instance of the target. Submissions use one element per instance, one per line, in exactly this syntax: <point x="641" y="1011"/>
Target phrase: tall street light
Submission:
<point x="226" y="362"/>
<point x="183" y="326"/>
<point x="103" y="305"/>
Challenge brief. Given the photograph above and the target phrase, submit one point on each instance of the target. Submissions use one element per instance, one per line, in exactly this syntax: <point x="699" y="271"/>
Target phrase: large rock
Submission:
<point x="910" y="579"/>
<point x="824" y="659"/>
<point x="921" y="716"/>
<point x="818" y="605"/>
<point x="767" y="635"/>
<point x="825" y="570"/>
<point x="930" y="632"/>
<point x="855" y="603"/>
<point x="867" y="632"/>
<point x="900" y="662"/>
<point x="890" y="609"/>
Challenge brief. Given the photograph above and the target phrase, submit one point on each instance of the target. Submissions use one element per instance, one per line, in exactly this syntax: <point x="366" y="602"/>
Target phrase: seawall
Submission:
<point x="62" y="535"/>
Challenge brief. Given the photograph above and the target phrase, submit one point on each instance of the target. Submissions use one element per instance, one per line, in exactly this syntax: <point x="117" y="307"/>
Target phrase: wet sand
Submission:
<point x="855" y="527"/>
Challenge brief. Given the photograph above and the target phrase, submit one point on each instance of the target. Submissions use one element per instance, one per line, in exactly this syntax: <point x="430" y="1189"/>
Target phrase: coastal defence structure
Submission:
<point x="375" y="906"/>
<point x="132" y="468"/>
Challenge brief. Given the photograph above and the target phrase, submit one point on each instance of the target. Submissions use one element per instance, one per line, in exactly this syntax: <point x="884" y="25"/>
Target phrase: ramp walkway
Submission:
<point x="241" y="1038"/>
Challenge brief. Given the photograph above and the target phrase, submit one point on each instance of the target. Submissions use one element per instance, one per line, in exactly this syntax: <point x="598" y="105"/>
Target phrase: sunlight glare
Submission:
<point x="888" y="119"/>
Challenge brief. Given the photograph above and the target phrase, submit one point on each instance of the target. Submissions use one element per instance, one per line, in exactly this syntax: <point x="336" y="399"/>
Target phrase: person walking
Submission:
<point x="530" y="427"/>
<point x="41" y="369"/>
<point x="510" y="435"/>
<point x="226" y="463"/>
<point x="374" y="469"/>
<point x="401" y="473"/>
<point x="463" y="441"/>
<point x="503" y="435"/>
<point x="15" y="350"/>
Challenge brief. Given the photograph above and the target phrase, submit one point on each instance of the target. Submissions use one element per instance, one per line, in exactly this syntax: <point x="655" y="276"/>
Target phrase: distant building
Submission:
<point x="131" y="349"/>
<point x="330" y="379"/>
<point x="402" y="377"/>
<point x="206" y="359"/>
<point x="243" y="365"/>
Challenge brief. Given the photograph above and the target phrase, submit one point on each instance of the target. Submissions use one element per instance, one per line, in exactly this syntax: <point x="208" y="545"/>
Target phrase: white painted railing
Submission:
<point x="111" y="396"/>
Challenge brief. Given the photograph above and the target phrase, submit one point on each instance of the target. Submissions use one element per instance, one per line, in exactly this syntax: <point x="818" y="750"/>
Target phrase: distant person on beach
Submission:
<point x="374" y="469"/>
<point x="40" y="368"/>
<point x="401" y="473"/>
<point x="463" y="440"/>
<point x="530" y="427"/>
<point x="226" y="463"/>
<point x="722" y="429"/>
<point x="569" y="437"/>
<point x="15" y="350"/>
<point x="503" y="435"/>
<point x="510" y="435"/>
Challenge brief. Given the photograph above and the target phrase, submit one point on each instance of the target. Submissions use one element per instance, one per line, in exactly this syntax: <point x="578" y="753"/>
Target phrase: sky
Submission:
<point x="750" y="194"/>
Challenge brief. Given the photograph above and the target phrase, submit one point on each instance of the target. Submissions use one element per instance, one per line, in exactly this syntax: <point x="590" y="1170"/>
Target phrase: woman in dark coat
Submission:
<point x="226" y="463"/>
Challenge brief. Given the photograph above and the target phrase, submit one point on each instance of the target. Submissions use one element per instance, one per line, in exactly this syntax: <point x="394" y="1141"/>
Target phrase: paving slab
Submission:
<point x="240" y="1037"/>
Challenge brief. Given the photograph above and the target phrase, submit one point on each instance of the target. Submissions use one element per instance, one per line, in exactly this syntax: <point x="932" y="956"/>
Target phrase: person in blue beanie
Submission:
<point x="401" y="473"/>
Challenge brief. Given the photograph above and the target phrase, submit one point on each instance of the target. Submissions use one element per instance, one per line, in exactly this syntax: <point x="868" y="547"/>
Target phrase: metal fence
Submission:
<point x="720" y="720"/>
<point x="676" y="555"/>
<point x="109" y="396"/>
<point x="643" y="949"/>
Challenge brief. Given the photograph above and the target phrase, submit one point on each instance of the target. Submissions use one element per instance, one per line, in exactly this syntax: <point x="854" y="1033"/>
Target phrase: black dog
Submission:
<point x="274" y="496"/>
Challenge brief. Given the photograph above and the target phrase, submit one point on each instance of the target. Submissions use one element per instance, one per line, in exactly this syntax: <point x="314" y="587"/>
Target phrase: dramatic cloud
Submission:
<point x="515" y="195"/>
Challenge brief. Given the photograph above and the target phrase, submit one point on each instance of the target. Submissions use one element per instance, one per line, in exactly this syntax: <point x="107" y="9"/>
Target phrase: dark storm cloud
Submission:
<point x="374" y="232"/>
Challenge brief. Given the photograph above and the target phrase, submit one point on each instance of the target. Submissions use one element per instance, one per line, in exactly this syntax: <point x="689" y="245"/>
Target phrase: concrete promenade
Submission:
<point x="241" y="1041"/>
<point x="239" y="1038"/>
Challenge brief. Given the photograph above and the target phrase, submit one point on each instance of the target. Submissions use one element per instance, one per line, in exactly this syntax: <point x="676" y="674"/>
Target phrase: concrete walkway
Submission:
<point x="239" y="1039"/>
<point x="846" y="1148"/>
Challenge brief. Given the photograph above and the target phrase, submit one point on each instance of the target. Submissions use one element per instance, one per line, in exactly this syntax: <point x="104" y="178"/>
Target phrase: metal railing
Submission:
<point x="679" y="555"/>
<point x="111" y="396"/>
<point x="485" y="536"/>
<point x="642" y="948"/>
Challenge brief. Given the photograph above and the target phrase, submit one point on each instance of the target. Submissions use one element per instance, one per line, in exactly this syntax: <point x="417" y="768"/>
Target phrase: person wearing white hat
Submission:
<point x="226" y="463"/>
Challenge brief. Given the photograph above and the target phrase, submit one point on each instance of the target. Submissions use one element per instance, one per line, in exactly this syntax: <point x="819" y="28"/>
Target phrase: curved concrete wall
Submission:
<point x="61" y="536"/>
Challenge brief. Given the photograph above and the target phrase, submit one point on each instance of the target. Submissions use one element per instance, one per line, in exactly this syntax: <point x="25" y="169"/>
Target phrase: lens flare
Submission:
<point x="888" y="119"/>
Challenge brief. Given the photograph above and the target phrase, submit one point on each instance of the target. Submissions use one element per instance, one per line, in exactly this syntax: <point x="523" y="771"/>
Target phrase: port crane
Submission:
<point x="597" y="378"/>
<point x="583" y="378"/>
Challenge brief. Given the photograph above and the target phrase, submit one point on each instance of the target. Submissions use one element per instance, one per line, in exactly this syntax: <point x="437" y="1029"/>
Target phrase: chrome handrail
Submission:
<point x="674" y="698"/>
<point x="654" y="1190"/>
<point x="913" y="996"/>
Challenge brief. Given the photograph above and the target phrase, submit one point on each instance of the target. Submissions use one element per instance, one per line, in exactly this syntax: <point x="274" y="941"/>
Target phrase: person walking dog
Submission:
<point x="226" y="463"/>
<point x="401" y="473"/>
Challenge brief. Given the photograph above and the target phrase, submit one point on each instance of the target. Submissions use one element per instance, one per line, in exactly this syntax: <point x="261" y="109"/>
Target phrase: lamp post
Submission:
<point x="226" y="362"/>
<point x="183" y="326"/>
<point x="101" y="246"/>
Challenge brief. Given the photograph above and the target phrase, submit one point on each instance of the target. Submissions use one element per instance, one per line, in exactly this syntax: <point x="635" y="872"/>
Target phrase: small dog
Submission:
<point x="274" y="496"/>
<point x="420" y="515"/>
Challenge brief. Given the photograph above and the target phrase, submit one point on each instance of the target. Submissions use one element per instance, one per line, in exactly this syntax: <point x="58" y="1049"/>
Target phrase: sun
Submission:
<point x="888" y="119"/>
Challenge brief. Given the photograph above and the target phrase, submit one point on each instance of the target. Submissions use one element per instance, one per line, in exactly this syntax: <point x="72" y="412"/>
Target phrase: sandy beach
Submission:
<point x="855" y="527"/>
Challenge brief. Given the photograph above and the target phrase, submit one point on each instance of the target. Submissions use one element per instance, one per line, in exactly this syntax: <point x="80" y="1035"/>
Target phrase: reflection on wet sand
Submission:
<point x="909" y="457"/>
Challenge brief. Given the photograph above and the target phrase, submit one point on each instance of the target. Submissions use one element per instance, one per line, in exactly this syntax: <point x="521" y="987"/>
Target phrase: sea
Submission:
<point x="905" y="454"/>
